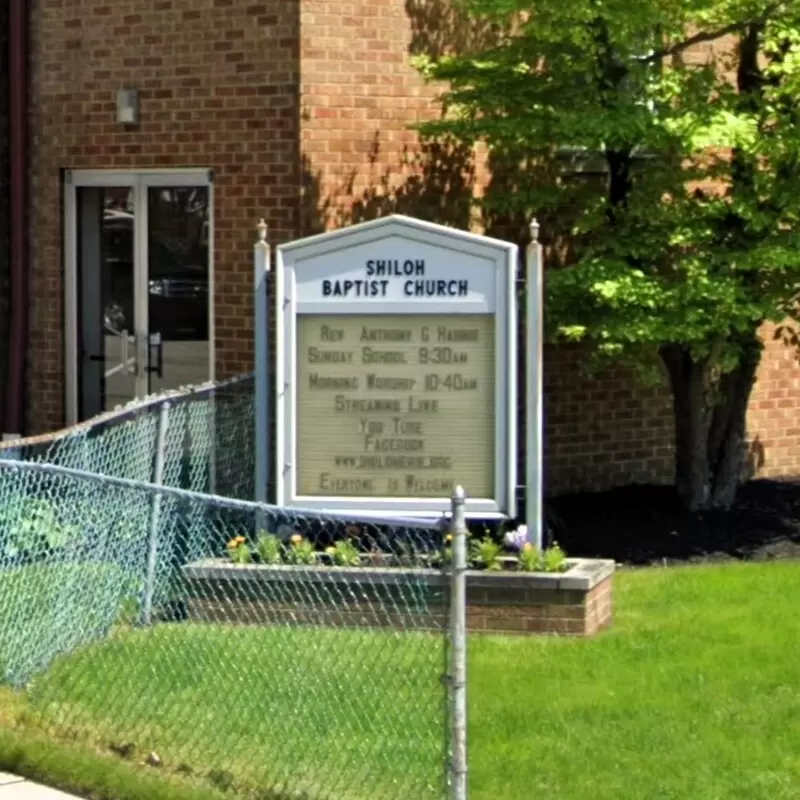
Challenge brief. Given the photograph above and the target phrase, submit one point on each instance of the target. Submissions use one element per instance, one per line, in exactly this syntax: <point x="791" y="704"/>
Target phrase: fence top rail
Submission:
<point x="219" y="501"/>
<point x="125" y="412"/>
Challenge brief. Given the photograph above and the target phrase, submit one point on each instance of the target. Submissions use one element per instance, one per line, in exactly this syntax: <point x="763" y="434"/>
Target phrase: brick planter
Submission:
<point x="577" y="602"/>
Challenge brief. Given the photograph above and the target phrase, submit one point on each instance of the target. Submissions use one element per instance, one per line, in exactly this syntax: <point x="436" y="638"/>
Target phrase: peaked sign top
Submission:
<point x="396" y="260"/>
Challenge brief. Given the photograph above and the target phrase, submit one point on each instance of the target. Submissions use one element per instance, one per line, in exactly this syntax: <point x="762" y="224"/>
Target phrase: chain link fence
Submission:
<point x="209" y="444"/>
<point x="263" y="651"/>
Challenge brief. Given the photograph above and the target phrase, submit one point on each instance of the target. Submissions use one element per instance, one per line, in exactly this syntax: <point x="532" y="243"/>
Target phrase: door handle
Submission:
<point x="141" y="355"/>
<point x="156" y="341"/>
<point x="125" y="363"/>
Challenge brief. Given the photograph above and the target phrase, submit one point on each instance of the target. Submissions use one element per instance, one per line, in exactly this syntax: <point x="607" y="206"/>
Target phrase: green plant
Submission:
<point x="238" y="550"/>
<point x="529" y="558"/>
<point x="485" y="554"/>
<point x="344" y="554"/>
<point x="553" y="559"/>
<point x="446" y="557"/>
<point x="269" y="548"/>
<point x="301" y="551"/>
<point x="34" y="527"/>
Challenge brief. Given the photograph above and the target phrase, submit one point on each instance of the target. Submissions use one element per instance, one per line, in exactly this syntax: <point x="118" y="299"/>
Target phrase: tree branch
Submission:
<point x="710" y="36"/>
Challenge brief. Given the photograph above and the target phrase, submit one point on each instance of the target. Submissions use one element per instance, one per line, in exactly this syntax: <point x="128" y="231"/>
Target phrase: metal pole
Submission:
<point x="155" y="509"/>
<point x="458" y="648"/>
<point x="534" y="421"/>
<point x="262" y="445"/>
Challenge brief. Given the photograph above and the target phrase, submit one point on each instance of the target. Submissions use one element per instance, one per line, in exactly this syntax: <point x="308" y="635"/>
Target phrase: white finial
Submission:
<point x="262" y="231"/>
<point x="534" y="228"/>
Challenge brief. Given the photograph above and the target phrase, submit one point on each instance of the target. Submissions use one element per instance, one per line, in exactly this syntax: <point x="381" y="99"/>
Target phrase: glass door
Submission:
<point x="107" y="343"/>
<point x="138" y="278"/>
<point x="177" y="286"/>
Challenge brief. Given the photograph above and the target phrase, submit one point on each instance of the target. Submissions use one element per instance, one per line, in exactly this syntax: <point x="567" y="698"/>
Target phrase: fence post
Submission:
<point x="458" y="648"/>
<point x="261" y="277"/>
<point x="534" y="518"/>
<point x="155" y="509"/>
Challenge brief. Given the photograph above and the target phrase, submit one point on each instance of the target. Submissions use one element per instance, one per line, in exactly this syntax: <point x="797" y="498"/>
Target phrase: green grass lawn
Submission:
<point x="355" y="714"/>
<point x="46" y="609"/>
<point x="695" y="694"/>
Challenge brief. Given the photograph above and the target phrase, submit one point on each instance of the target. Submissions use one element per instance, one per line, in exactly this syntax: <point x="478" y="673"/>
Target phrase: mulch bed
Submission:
<point x="641" y="525"/>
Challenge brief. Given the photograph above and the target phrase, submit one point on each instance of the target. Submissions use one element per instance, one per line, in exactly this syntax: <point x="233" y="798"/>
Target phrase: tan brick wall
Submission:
<point x="218" y="90"/>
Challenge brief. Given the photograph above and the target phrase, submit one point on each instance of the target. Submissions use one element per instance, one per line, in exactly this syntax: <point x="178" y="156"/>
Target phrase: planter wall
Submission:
<point x="577" y="602"/>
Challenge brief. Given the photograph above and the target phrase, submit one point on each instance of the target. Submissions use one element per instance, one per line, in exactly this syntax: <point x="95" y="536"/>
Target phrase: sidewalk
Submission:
<point x="14" y="788"/>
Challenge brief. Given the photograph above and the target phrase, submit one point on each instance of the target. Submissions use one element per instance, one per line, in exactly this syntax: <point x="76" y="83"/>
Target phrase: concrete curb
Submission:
<point x="12" y="787"/>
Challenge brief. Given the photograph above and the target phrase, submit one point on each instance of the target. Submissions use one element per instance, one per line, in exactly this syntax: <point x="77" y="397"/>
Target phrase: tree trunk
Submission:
<point x="727" y="442"/>
<point x="688" y="379"/>
<point x="710" y="423"/>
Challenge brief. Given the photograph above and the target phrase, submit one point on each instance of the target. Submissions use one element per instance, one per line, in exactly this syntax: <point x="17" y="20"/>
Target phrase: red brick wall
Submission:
<point x="358" y="97"/>
<point x="218" y="89"/>
<point x="4" y="196"/>
<point x="774" y="414"/>
<point x="359" y="94"/>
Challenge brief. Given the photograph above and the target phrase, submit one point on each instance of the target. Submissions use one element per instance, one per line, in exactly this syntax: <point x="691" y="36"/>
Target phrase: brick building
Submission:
<point x="295" y="110"/>
<point x="4" y="195"/>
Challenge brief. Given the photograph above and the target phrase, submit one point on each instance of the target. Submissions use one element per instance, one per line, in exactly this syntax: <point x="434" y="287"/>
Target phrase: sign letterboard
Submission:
<point x="396" y="370"/>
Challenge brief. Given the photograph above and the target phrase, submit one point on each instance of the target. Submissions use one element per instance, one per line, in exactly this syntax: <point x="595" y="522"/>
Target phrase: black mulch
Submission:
<point x="641" y="525"/>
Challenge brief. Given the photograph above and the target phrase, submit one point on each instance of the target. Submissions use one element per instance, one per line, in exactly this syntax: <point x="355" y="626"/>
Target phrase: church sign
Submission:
<point x="396" y="374"/>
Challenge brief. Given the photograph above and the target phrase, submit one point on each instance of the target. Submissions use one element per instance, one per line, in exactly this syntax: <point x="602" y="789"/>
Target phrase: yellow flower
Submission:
<point x="449" y="537"/>
<point x="330" y="550"/>
<point x="239" y="540"/>
<point x="527" y="547"/>
<point x="232" y="544"/>
<point x="297" y="538"/>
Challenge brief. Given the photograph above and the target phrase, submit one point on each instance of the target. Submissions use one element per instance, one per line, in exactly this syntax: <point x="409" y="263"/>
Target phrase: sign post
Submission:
<point x="534" y="421"/>
<point x="396" y="373"/>
<point x="260" y="278"/>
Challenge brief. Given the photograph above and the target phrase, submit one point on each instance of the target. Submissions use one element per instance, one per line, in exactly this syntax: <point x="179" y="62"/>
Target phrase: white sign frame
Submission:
<point x="498" y="256"/>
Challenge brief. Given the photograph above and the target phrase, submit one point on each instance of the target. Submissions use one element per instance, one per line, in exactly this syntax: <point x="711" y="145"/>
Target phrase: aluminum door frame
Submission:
<point x="140" y="181"/>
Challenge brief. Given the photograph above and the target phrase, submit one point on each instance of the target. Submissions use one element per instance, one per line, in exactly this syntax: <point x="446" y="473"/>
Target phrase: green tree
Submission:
<point x="691" y="241"/>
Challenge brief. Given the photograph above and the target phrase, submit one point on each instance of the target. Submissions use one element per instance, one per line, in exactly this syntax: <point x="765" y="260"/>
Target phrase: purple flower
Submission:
<point x="515" y="540"/>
